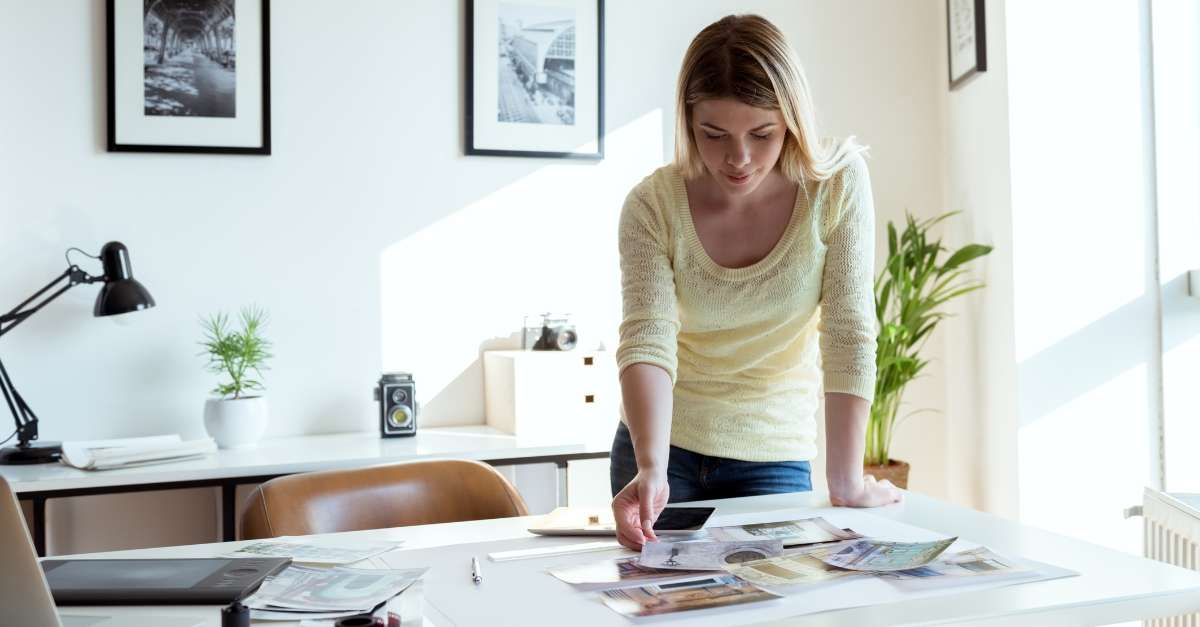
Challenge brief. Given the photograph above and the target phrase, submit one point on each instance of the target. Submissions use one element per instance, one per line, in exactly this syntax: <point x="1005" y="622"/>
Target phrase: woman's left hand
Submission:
<point x="870" y="493"/>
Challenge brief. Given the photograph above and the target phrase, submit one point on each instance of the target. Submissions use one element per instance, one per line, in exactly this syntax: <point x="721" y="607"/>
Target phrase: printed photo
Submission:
<point x="190" y="58"/>
<point x="537" y="64"/>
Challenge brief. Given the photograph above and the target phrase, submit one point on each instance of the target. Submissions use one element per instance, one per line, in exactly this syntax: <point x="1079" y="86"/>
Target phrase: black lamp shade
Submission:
<point x="121" y="292"/>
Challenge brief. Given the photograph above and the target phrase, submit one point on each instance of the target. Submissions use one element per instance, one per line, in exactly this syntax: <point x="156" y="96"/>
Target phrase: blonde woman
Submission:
<point x="746" y="269"/>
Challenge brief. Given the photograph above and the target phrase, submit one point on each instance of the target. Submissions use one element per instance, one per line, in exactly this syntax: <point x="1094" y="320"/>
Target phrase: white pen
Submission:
<point x="476" y="573"/>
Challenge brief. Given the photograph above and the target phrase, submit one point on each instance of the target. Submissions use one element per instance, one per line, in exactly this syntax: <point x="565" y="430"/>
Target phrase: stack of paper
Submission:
<point x="126" y="452"/>
<point x="300" y="592"/>
<point x="312" y="553"/>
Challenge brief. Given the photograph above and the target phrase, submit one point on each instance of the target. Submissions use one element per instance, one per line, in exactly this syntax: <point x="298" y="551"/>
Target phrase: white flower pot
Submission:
<point x="236" y="423"/>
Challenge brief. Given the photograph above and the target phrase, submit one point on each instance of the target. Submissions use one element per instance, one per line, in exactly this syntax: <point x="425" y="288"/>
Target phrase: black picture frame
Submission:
<point x="961" y="16"/>
<point x="475" y="120"/>
<point x="263" y="110"/>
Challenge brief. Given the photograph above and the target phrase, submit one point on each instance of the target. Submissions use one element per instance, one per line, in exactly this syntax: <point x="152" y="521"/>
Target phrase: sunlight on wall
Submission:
<point x="546" y="242"/>
<point x="1177" y="122"/>
<point x="1077" y="168"/>
<point x="1086" y="331"/>
<point x="1081" y="464"/>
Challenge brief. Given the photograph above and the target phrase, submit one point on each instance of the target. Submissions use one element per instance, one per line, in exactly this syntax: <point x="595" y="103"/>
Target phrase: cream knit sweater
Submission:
<point x="746" y="347"/>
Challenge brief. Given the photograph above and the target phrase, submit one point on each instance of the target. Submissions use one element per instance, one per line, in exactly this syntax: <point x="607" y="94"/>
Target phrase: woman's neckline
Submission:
<point x="692" y="236"/>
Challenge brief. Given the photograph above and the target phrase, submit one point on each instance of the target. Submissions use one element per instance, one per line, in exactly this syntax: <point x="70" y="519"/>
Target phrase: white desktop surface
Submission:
<point x="308" y="453"/>
<point x="1112" y="586"/>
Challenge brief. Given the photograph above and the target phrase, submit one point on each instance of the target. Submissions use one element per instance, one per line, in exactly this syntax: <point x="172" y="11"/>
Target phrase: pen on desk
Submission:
<point x="476" y="573"/>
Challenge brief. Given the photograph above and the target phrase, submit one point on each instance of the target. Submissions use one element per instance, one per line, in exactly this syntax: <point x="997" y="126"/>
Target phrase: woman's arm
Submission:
<point x="646" y="393"/>
<point x="647" y="361"/>
<point x="845" y="439"/>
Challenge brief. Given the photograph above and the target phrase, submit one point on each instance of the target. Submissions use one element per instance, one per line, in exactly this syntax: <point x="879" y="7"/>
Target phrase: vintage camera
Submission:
<point x="556" y="334"/>
<point x="396" y="394"/>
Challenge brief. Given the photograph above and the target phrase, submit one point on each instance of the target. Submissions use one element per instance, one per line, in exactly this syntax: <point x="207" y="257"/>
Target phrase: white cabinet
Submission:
<point x="558" y="395"/>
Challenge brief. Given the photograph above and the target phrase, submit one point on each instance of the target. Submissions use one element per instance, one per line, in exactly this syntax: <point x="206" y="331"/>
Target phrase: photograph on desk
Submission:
<point x="667" y="598"/>
<point x="706" y="554"/>
<point x="790" y="532"/>
<point x="789" y="570"/>
<point x="613" y="573"/>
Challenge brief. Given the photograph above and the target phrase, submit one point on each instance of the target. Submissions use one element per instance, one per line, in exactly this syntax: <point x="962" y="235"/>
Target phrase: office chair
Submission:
<point x="395" y="495"/>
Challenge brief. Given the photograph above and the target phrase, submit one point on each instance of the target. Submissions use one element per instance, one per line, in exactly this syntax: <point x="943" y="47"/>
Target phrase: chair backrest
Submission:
<point x="24" y="595"/>
<point x="395" y="495"/>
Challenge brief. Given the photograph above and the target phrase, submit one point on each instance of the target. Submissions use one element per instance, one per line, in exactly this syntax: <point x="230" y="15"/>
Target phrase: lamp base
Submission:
<point x="39" y="453"/>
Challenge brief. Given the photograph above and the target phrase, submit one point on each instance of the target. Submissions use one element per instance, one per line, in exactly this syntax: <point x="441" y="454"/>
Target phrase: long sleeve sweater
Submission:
<point x="750" y="349"/>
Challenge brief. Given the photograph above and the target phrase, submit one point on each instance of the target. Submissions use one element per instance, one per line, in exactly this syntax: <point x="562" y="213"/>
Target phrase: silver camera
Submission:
<point x="556" y="333"/>
<point x="396" y="394"/>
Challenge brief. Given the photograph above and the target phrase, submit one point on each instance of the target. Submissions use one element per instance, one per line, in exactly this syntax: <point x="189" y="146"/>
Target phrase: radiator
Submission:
<point x="1171" y="524"/>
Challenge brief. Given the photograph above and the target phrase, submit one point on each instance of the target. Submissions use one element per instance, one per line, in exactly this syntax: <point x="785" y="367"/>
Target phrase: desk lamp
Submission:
<point x="120" y="294"/>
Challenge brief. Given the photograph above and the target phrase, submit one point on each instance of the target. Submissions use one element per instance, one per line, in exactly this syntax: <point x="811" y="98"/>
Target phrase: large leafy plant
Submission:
<point x="910" y="293"/>
<point x="241" y="354"/>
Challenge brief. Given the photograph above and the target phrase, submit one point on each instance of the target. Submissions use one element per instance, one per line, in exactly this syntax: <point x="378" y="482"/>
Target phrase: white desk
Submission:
<point x="283" y="456"/>
<point x="1112" y="586"/>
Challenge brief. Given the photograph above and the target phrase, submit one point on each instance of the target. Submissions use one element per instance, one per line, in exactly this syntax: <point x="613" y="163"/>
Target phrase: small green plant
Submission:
<point x="238" y="354"/>
<point x="909" y="293"/>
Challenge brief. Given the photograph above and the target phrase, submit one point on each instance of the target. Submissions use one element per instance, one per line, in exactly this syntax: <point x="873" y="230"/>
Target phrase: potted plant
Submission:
<point x="235" y="419"/>
<point x="910" y="293"/>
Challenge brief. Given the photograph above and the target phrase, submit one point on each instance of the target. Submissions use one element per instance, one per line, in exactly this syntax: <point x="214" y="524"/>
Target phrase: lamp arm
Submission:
<point x="73" y="275"/>
<point x="23" y="417"/>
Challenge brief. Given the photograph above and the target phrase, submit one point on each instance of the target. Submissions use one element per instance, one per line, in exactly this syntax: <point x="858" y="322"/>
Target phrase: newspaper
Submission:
<point x="667" y="598"/>
<point x="614" y="572"/>
<point x="790" y="532"/>
<point x="306" y="592"/>
<point x="706" y="555"/>
<point x="868" y="554"/>
<point x="977" y="562"/>
<point x="310" y="553"/>
<point x="127" y="452"/>
<point x="787" y="570"/>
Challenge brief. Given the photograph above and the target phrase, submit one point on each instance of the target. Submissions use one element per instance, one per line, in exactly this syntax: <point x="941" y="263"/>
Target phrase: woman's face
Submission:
<point x="739" y="143"/>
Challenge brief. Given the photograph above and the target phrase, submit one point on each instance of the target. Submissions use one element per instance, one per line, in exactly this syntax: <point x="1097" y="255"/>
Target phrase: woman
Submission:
<point x="746" y="270"/>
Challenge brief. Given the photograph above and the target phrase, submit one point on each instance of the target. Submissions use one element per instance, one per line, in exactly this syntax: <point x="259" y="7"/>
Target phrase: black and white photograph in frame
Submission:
<point x="535" y="78"/>
<point x="189" y="76"/>
<point x="966" y="36"/>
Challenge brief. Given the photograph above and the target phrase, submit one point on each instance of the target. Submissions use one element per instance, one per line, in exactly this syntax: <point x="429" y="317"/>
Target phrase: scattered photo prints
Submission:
<point x="790" y="532"/>
<point x="706" y="555"/>
<point x="977" y="562"/>
<point x="788" y="570"/>
<point x="312" y="553"/>
<point x="615" y="572"/>
<point x="720" y="591"/>
<point x="879" y="555"/>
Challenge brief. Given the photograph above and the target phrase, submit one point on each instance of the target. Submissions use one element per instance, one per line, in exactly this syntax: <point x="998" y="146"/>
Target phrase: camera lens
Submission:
<point x="399" y="396"/>
<point x="564" y="339"/>
<point x="400" y="417"/>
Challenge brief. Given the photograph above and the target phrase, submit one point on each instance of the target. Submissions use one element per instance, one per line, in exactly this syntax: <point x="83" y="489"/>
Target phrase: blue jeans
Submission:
<point x="695" y="477"/>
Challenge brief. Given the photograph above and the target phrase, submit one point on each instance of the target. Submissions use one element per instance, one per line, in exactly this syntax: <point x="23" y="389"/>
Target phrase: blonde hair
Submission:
<point x="745" y="57"/>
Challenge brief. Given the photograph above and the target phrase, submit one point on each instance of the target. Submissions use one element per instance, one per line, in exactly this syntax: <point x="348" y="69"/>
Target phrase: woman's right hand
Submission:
<point x="637" y="506"/>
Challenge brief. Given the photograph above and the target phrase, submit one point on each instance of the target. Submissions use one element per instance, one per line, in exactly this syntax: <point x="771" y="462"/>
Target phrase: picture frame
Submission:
<point x="535" y="78"/>
<point x="189" y="76"/>
<point x="966" y="40"/>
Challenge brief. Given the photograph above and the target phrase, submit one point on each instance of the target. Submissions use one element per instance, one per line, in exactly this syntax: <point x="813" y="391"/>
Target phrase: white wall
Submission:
<point x="374" y="243"/>
<point x="980" y="364"/>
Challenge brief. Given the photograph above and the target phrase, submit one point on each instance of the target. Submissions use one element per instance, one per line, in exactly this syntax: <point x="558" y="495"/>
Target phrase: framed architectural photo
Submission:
<point x="535" y="78"/>
<point x="967" y="39"/>
<point x="189" y="76"/>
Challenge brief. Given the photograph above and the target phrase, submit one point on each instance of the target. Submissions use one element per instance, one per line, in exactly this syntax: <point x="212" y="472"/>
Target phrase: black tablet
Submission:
<point x="682" y="520"/>
<point x="201" y="581"/>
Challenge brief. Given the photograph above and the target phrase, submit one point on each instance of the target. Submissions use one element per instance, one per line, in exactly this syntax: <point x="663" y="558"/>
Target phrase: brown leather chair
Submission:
<point x="396" y="495"/>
